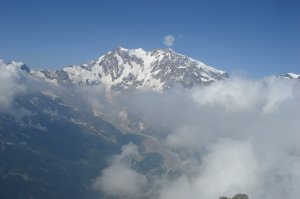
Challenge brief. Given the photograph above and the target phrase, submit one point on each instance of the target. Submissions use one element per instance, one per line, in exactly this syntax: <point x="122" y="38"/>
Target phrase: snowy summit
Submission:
<point x="290" y="76"/>
<point x="135" y="68"/>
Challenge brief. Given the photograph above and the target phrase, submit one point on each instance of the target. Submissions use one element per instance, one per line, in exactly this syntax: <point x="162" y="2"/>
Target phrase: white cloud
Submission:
<point x="229" y="167"/>
<point x="14" y="82"/>
<point x="235" y="136"/>
<point x="11" y="85"/>
<point x="169" y="40"/>
<point x="230" y="163"/>
<point x="119" y="179"/>
<point x="240" y="94"/>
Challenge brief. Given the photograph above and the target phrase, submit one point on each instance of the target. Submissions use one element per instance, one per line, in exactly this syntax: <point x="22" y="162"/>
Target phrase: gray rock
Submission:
<point x="237" y="196"/>
<point x="241" y="196"/>
<point x="223" y="197"/>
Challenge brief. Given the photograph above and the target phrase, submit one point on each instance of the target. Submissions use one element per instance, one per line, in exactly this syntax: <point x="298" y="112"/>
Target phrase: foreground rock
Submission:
<point x="237" y="196"/>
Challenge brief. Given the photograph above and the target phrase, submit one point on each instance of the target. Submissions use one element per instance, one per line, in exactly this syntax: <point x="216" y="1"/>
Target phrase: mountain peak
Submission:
<point x="120" y="48"/>
<point x="290" y="76"/>
<point x="14" y="65"/>
<point x="123" y="68"/>
<point x="293" y="75"/>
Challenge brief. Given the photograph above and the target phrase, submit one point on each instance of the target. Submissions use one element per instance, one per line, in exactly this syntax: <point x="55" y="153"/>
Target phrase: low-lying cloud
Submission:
<point x="119" y="179"/>
<point x="228" y="167"/>
<point x="239" y="94"/>
<point x="234" y="136"/>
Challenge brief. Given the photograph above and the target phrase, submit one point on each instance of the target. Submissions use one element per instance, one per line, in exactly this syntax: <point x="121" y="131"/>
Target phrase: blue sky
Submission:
<point x="255" y="37"/>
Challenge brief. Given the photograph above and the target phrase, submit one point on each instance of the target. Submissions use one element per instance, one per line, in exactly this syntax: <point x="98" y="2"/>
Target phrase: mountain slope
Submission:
<point x="290" y="76"/>
<point x="56" y="150"/>
<point x="51" y="144"/>
<point x="123" y="68"/>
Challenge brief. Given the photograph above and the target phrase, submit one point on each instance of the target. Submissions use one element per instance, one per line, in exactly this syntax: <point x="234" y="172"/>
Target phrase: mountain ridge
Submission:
<point x="290" y="76"/>
<point x="122" y="68"/>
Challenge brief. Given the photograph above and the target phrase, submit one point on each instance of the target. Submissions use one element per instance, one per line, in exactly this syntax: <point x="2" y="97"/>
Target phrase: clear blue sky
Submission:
<point x="259" y="37"/>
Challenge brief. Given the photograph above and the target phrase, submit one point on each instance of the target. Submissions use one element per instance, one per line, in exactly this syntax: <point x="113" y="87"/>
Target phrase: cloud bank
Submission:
<point x="235" y="136"/>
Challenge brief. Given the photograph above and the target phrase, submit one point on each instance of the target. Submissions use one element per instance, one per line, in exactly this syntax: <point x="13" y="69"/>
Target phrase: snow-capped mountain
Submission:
<point x="290" y="76"/>
<point x="124" y="68"/>
<point x="14" y="66"/>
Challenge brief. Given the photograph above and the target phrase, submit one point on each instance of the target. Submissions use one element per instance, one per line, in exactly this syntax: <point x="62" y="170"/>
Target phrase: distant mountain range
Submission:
<point x="124" y="69"/>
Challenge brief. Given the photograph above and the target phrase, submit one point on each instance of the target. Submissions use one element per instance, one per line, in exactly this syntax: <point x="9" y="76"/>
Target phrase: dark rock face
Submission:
<point x="241" y="196"/>
<point x="25" y="68"/>
<point x="237" y="196"/>
<point x="61" y="76"/>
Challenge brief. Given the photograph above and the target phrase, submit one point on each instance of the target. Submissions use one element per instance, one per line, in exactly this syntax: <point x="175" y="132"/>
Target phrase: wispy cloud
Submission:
<point x="169" y="40"/>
